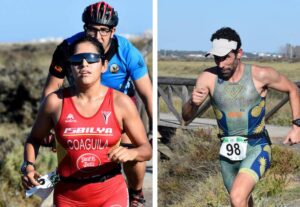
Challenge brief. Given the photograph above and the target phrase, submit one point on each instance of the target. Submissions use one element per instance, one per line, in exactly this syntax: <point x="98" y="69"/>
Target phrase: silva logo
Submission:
<point x="89" y="130"/>
<point x="106" y="115"/>
<point x="70" y="118"/>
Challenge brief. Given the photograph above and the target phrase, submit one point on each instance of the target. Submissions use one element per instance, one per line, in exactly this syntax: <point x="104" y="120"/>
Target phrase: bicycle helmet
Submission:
<point x="100" y="13"/>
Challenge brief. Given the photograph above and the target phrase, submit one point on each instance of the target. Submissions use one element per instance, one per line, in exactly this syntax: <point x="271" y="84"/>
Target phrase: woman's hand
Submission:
<point x="122" y="154"/>
<point x="30" y="179"/>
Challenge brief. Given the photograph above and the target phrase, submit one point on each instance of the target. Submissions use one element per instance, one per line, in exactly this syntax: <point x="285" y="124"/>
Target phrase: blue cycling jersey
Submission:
<point x="128" y="64"/>
<point x="125" y="66"/>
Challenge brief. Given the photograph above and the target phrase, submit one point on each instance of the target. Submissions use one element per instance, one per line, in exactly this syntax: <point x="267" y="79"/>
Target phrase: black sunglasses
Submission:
<point x="92" y="31"/>
<point x="89" y="57"/>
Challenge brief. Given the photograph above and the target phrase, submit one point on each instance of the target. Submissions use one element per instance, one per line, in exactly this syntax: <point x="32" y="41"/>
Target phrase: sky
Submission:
<point x="22" y="21"/>
<point x="263" y="25"/>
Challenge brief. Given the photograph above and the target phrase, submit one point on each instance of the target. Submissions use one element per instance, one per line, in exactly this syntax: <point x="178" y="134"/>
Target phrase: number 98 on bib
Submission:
<point x="234" y="148"/>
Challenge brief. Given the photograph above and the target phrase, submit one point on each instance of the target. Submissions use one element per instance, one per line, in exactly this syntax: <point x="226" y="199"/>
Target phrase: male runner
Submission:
<point x="238" y="94"/>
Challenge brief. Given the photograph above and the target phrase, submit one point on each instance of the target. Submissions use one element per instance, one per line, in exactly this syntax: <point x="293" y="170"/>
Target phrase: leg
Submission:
<point x="135" y="172"/>
<point x="229" y="170"/>
<point x="252" y="168"/>
<point x="118" y="197"/>
<point x="241" y="190"/>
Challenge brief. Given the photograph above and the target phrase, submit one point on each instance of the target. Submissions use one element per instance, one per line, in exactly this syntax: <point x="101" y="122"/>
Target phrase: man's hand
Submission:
<point x="199" y="95"/>
<point x="293" y="136"/>
<point x="122" y="154"/>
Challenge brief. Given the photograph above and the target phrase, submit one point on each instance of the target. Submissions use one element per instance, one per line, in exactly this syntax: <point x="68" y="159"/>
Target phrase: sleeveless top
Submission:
<point x="83" y="143"/>
<point x="238" y="107"/>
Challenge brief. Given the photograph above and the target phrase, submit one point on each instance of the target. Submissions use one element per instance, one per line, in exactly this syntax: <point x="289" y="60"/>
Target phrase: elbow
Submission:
<point x="148" y="153"/>
<point x="32" y="141"/>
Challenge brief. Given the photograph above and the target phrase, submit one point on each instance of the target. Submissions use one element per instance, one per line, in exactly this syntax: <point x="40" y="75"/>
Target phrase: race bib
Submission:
<point x="234" y="148"/>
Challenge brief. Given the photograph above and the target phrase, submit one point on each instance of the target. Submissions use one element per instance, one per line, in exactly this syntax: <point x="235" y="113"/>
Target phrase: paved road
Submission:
<point x="148" y="185"/>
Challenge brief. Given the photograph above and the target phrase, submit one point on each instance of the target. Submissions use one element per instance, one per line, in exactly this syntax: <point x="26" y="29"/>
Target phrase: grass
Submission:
<point x="191" y="69"/>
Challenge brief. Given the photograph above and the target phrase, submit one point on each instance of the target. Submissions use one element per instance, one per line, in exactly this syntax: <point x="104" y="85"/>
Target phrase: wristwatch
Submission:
<point x="296" y="122"/>
<point x="25" y="165"/>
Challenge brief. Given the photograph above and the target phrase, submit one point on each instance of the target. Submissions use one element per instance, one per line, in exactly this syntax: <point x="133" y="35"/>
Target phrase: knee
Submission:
<point x="237" y="199"/>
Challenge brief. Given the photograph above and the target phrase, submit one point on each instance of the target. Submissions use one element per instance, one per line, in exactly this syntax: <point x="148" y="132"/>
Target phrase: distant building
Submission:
<point x="297" y="52"/>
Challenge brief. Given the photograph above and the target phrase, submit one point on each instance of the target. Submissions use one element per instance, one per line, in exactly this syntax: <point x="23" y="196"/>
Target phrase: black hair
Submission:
<point x="229" y="34"/>
<point x="93" y="41"/>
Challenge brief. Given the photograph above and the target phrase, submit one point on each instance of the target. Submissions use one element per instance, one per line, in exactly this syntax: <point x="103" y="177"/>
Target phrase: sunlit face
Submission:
<point x="227" y="64"/>
<point x="86" y="71"/>
<point x="102" y="33"/>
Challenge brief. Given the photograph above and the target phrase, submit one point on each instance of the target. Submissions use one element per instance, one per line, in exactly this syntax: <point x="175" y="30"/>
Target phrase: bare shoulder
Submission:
<point x="264" y="73"/>
<point x="209" y="73"/>
<point x="53" y="101"/>
<point x="207" y="77"/>
<point x="122" y="101"/>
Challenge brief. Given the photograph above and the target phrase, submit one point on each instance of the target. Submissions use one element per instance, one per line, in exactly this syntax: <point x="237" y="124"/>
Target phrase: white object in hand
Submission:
<point x="45" y="188"/>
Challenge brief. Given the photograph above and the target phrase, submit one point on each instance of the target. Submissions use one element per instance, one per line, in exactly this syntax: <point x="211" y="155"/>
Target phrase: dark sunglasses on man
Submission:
<point x="89" y="57"/>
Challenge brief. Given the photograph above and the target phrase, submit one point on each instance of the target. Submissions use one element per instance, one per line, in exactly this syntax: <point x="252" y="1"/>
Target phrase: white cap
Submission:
<point x="222" y="47"/>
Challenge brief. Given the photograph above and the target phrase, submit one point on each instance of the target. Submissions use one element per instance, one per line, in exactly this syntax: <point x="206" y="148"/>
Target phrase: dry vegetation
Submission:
<point x="191" y="177"/>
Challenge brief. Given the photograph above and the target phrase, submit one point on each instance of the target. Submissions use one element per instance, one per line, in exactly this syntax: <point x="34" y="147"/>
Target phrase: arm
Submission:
<point x="52" y="84"/>
<point x="199" y="94"/>
<point x="272" y="79"/>
<point x="57" y="70"/>
<point x="130" y="120"/>
<point x="42" y="126"/>
<point x="54" y="81"/>
<point x="138" y="71"/>
<point x="144" y="88"/>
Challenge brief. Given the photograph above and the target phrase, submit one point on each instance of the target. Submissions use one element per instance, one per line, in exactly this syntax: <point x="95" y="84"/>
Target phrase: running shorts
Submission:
<point x="256" y="163"/>
<point x="110" y="193"/>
